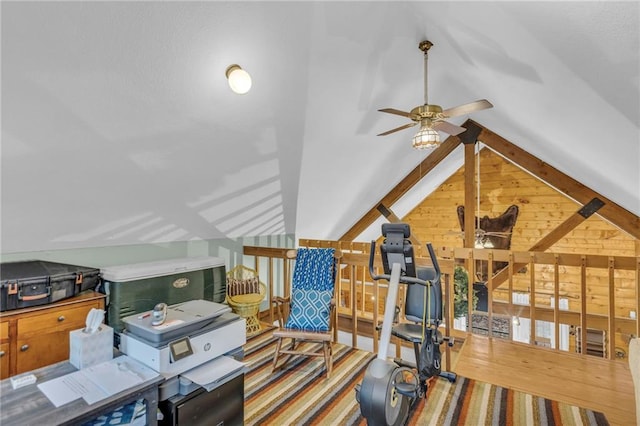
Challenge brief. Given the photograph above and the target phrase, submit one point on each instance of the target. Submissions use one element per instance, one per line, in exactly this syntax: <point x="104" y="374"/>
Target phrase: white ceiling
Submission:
<point x="118" y="126"/>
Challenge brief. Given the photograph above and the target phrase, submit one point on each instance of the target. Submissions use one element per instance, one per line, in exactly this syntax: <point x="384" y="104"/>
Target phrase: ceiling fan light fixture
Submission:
<point x="426" y="138"/>
<point x="239" y="80"/>
<point x="483" y="243"/>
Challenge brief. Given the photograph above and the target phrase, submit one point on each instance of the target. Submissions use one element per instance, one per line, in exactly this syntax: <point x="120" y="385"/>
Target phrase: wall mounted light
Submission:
<point x="239" y="79"/>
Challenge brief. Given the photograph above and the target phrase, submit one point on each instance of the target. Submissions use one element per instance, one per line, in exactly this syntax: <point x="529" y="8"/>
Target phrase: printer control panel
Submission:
<point x="180" y="349"/>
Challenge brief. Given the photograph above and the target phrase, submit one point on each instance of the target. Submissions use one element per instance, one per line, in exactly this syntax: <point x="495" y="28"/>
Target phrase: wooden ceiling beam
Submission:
<point x="617" y="215"/>
<point x="393" y="218"/>
<point x="403" y="187"/>
<point x="469" y="195"/>
<point x="552" y="237"/>
<point x="469" y="139"/>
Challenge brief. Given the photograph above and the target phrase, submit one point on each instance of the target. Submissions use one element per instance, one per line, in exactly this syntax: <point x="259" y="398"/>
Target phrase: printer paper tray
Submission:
<point x="214" y="373"/>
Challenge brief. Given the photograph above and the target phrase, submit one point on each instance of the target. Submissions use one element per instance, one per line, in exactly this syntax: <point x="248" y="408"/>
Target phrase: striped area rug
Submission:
<point x="300" y="394"/>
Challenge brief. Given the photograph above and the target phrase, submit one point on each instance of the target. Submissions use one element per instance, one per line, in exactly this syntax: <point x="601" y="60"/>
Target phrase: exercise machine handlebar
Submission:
<point x="404" y="278"/>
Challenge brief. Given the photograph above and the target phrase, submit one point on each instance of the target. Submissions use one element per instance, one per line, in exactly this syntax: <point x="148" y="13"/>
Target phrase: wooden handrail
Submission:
<point x="359" y="296"/>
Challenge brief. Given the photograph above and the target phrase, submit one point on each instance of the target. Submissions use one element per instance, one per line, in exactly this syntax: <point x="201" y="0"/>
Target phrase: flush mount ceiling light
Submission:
<point x="239" y="79"/>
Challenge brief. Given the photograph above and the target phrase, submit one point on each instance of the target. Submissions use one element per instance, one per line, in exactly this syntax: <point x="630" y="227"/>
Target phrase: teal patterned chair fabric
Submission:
<point x="306" y="317"/>
<point x="312" y="290"/>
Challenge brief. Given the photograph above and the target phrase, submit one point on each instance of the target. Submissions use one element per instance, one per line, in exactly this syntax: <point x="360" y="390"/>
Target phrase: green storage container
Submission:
<point x="138" y="287"/>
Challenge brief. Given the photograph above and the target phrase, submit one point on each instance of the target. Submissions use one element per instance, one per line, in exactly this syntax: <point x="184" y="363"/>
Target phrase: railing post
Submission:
<point x="490" y="292"/>
<point x="611" y="350"/>
<point x="556" y="304"/>
<point x="532" y="299"/>
<point x="354" y="310"/>
<point x="583" y="304"/>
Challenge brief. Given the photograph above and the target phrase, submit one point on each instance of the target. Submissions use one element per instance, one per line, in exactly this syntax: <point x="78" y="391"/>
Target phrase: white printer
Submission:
<point x="191" y="341"/>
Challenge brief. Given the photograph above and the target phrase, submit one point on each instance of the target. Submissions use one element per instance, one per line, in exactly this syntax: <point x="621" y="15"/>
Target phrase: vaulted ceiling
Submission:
<point x="118" y="126"/>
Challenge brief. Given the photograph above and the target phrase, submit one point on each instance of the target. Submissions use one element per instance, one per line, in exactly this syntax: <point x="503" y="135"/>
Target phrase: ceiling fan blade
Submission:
<point x="406" y="126"/>
<point x="467" y="108"/>
<point x="498" y="234"/>
<point x="447" y="127"/>
<point x="395" y="111"/>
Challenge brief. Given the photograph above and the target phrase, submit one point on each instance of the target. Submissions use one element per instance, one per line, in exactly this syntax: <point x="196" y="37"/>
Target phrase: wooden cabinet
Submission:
<point x="34" y="337"/>
<point x="4" y="348"/>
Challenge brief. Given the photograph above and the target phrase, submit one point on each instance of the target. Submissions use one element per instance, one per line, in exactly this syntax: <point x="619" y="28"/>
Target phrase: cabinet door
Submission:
<point x="36" y="352"/>
<point x="4" y="350"/>
<point x="44" y="339"/>
<point x="4" y="360"/>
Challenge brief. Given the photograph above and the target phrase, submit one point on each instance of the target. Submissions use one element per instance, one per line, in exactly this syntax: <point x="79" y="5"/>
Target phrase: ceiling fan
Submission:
<point x="432" y="117"/>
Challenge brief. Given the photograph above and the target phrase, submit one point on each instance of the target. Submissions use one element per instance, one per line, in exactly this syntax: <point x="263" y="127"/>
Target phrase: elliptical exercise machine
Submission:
<point x="389" y="388"/>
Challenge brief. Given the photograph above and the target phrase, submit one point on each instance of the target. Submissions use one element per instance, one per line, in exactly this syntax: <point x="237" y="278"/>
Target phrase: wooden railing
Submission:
<point x="601" y="291"/>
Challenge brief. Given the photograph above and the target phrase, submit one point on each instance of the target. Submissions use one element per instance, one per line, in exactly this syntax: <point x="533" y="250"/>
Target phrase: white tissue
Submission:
<point x="93" y="321"/>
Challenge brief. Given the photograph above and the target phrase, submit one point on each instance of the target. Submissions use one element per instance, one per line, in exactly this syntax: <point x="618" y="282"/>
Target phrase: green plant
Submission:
<point x="461" y="292"/>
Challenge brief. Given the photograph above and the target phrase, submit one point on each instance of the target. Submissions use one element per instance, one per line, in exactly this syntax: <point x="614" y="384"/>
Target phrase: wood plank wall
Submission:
<point x="541" y="209"/>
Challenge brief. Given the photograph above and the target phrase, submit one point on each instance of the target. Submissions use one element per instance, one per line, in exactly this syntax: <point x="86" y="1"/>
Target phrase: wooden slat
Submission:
<point x="583" y="306"/>
<point x="532" y="299"/>
<point x="490" y="294"/>
<point x="270" y="284"/>
<point x="354" y="313"/>
<point x="611" y="330"/>
<point x="611" y="211"/>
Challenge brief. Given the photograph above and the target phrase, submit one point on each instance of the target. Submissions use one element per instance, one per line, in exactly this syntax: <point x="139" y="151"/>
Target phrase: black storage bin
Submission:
<point x="38" y="282"/>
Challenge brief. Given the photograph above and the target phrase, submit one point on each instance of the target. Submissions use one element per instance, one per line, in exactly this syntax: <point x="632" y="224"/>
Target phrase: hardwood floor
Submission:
<point x="589" y="382"/>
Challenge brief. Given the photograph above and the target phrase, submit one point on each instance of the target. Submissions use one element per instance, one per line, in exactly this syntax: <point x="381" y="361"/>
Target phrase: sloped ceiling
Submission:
<point x="118" y="126"/>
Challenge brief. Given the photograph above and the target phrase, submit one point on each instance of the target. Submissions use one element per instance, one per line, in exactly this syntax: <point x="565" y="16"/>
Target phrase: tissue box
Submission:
<point x="87" y="349"/>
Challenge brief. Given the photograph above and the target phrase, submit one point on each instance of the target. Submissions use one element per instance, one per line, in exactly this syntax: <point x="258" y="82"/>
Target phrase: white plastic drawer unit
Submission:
<point x="138" y="287"/>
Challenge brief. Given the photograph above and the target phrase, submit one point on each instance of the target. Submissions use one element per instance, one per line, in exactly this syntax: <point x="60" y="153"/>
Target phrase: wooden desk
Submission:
<point x="29" y="406"/>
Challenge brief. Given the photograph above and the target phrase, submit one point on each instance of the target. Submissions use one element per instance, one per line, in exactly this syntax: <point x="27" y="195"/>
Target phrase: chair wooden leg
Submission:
<point x="276" y="355"/>
<point x="328" y="357"/>
<point x="288" y="356"/>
